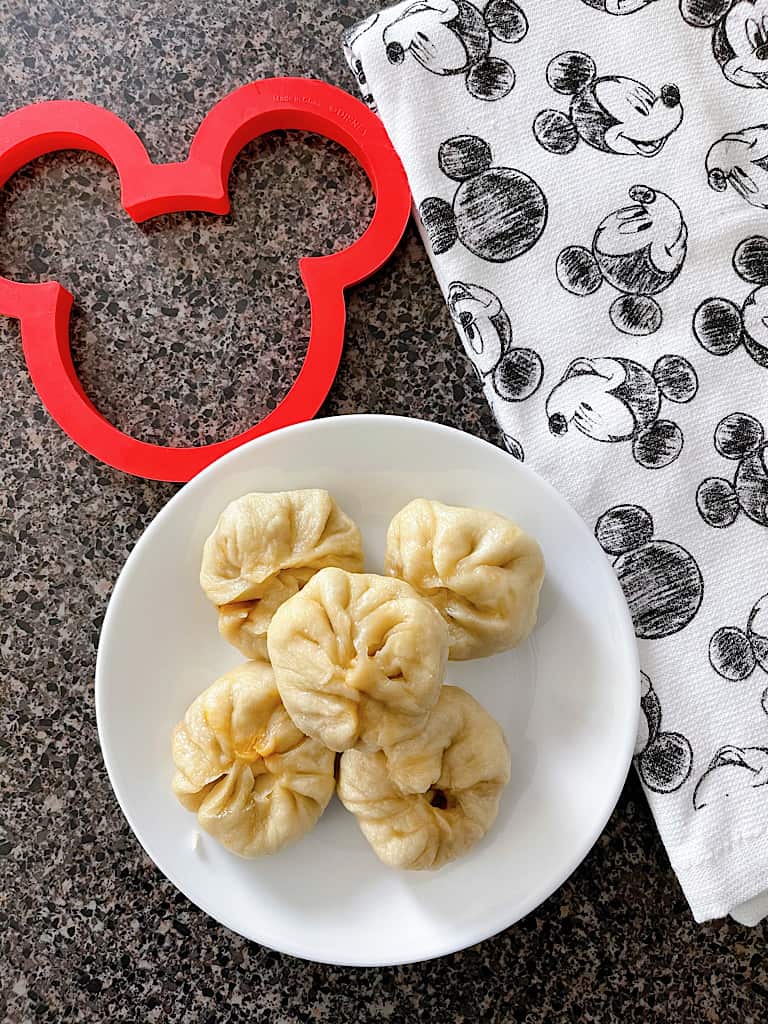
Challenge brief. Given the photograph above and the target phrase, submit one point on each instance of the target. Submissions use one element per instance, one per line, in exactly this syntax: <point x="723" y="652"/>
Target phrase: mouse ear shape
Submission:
<point x="439" y="223"/>
<point x="750" y="259"/>
<point x="200" y="182"/>
<point x="717" y="502"/>
<point x="464" y="156"/>
<point x="676" y="378"/>
<point x="623" y="528"/>
<point x="490" y="79"/>
<point x="666" y="763"/>
<point x="578" y="271"/>
<point x="658" y="445"/>
<point x="555" y="132"/>
<point x="518" y="375"/>
<point x="731" y="654"/>
<point x="506" y="21"/>
<point x="737" y="435"/>
<point x="638" y="315"/>
<point x="704" y="13"/>
<point x="571" y="72"/>
<point x="718" y="326"/>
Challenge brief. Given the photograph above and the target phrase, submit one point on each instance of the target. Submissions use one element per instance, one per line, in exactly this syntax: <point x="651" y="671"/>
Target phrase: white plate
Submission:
<point x="567" y="701"/>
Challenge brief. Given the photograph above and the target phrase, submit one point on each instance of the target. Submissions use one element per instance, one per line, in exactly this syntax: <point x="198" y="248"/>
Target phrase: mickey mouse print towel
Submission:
<point x="591" y="183"/>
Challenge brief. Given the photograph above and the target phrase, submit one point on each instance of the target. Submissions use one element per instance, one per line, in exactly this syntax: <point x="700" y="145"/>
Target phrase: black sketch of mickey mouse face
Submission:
<point x="740" y="159"/>
<point x="453" y="37"/>
<point x="735" y="653"/>
<point x="740" y="42"/>
<point x="721" y="326"/>
<point x="661" y="580"/>
<point x="739" y="437"/>
<point x="739" y="33"/>
<point x="663" y="759"/>
<point x="733" y="774"/>
<point x="612" y="114"/>
<point x="616" y="399"/>
<point x="498" y="213"/>
<point x="481" y="322"/>
<point x="639" y="250"/>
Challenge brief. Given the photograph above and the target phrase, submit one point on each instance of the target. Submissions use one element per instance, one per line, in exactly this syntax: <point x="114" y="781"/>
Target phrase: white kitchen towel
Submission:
<point x="591" y="180"/>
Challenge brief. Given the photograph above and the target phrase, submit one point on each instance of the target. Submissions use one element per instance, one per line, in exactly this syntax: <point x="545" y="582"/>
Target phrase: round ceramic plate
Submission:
<point x="567" y="701"/>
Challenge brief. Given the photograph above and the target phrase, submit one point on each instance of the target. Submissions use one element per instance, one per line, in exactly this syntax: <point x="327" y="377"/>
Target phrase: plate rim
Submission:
<point x="628" y="641"/>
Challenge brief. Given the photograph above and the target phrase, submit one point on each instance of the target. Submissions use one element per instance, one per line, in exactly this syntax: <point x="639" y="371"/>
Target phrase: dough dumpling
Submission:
<point x="264" y="549"/>
<point x="426" y="801"/>
<point x="359" y="659"/>
<point x="481" y="572"/>
<point x="255" y="782"/>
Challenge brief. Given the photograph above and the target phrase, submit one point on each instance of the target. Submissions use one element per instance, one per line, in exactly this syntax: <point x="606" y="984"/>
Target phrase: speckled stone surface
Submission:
<point x="186" y="329"/>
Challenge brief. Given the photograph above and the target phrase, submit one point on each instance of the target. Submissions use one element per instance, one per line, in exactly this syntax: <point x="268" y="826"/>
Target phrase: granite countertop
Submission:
<point x="184" y="330"/>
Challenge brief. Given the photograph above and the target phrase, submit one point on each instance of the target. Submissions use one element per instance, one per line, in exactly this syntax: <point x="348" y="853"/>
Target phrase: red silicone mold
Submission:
<point x="200" y="183"/>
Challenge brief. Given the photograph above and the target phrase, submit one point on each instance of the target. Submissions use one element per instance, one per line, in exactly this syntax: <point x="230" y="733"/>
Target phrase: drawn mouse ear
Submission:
<point x="658" y="445"/>
<point x="666" y="763"/>
<point x="738" y="434"/>
<point x="571" y="72"/>
<point x="464" y="156"/>
<point x="578" y="271"/>
<point x="731" y="654"/>
<point x="676" y="378"/>
<point x="623" y="528"/>
<point x="506" y="21"/>
<point x="717" y="502"/>
<point x="555" y="132"/>
<point x="637" y="315"/>
<point x="718" y="326"/>
<point x="490" y="79"/>
<point x="750" y="259"/>
<point x="439" y="223"/>
<point x="518" y="375"/>
<point x="704" y="13"/>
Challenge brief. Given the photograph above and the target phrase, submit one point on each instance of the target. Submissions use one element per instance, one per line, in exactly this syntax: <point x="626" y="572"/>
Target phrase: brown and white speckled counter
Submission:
<point x="186" y="329"/>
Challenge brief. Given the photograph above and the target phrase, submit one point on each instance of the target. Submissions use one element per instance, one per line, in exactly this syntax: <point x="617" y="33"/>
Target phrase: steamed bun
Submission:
<point x="359" y="659"/>
<point x="479" y="570"/>
<point x="254" y="780"/>
<point x="426" y="801"/>
<point x="263" y="550"/>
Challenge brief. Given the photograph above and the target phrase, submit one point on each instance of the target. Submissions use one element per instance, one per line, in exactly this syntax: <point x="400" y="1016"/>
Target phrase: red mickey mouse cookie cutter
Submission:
<point x="200" y="183"/>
